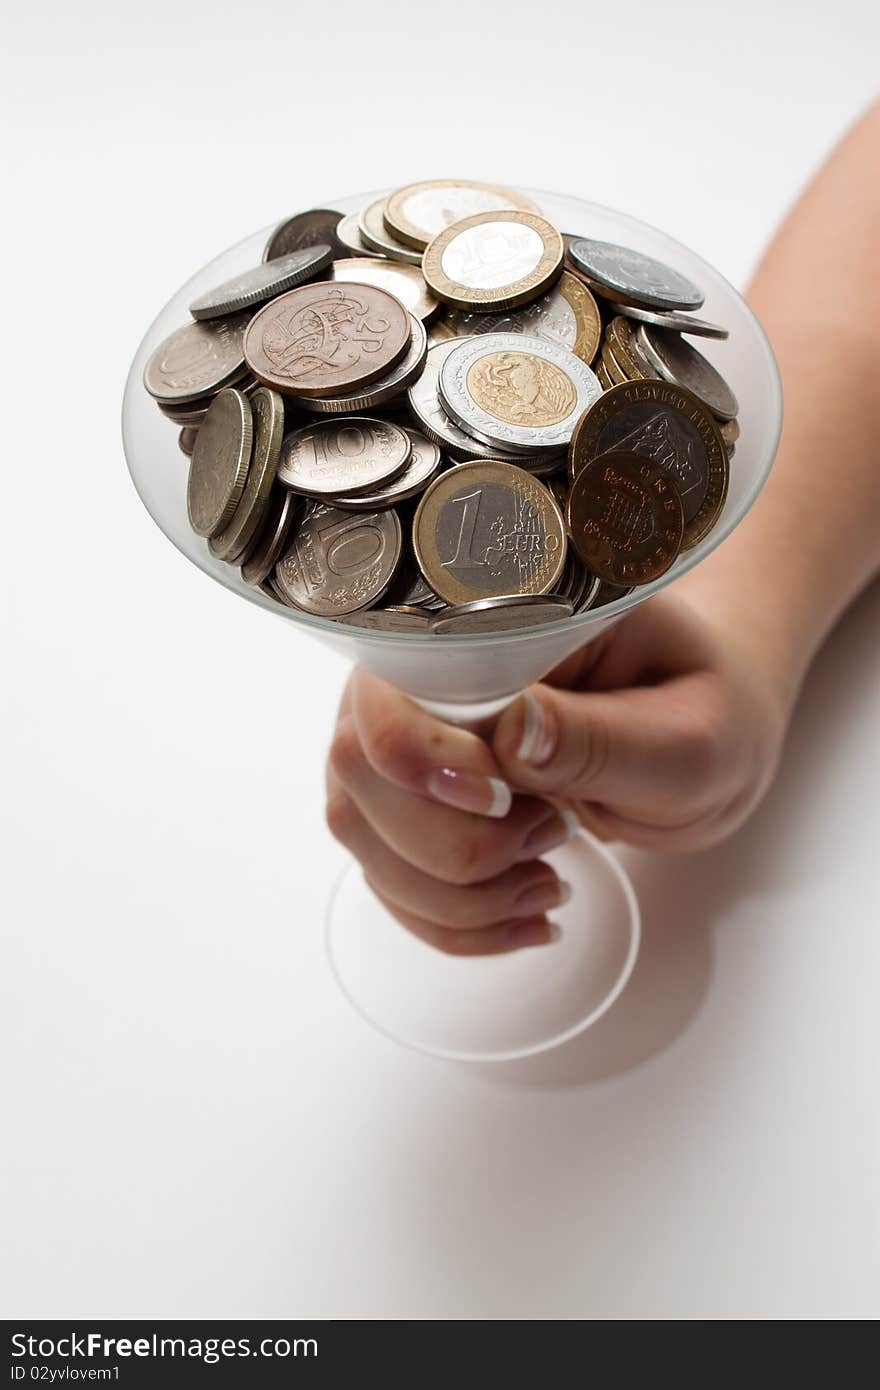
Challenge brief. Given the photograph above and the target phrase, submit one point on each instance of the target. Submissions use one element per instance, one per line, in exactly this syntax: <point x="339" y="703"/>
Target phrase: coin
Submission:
<point x="268" y="423"/>
<point x="219" y="464"/>
<point x="488" y="528"/>
<point x="680" y="323"/>
<point x="521" y="394"/>
<point x="729" y="431"/>
<point x="416" y="213"/>
<point x="325" y="340"/>
<point x="625" y="518"/>
<point x="505" y="614"/>
<point x="187" y="440"/>
<point x="622" y="343"/>
<point x="567" y="315"/>
<point x="668" y="425"/>
<point x="314" y="228"/>
<point x="376" y="236"/>
<point x="196" y="360"/>
<point x="609" y="593"/>
<point x="405" y="282"/>
<point x="193" y="413"/>
<point x="261" y="282"/>
<point x="604" y="380"/>
<point x="424" y="462"/>
<point x="282" y="514"/>
<point x="619" y="273"/>
<point x="678" y="362"/>
<point x="425" y="404"/>
<point x="384" y="388"/>
<point x="348" y="234"/>
<point x="334" y="457"/>
<point x="339" y="562"/>
<point x="390" y="620"/>
<point x="613" y="369"/>
<point x="493" y="260"/>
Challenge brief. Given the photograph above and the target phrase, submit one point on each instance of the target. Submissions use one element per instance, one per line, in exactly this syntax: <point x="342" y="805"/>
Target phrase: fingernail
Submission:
<point x="468" y="791"/>
<point x="550" y="834"/>
<point x="538" y="738"/>
<point x="542" y="898"/>
<point x="537" y="932"/>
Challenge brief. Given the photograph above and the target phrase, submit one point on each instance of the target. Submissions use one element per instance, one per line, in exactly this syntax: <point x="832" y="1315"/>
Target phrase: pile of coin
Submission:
<point x="444" y="415"/>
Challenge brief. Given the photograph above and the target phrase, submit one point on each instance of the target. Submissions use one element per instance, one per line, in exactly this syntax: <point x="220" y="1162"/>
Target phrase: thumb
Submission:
<point x="632" y="749"/>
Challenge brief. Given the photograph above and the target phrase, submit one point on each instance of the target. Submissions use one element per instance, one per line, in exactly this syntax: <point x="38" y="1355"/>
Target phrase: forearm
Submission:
<point x="812" y="540"/>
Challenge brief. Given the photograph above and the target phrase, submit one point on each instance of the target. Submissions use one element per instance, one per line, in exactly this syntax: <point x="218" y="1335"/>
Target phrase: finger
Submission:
<point x="455" y="846"/>
<point x="491" y="941"/>
<point x="418" y="753"/>
<point x="524" y="891"/>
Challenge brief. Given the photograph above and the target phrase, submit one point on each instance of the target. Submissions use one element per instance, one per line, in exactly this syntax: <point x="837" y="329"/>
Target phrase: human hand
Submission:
<point x="663" y="732"/>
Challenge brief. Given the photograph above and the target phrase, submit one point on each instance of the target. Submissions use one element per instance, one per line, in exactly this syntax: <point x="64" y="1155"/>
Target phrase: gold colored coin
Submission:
<point x="486" y="529"/>
<point x="416" y="213"/>
<point x="615" y="372"/>
<point x="552" y="398"/>
<point x="493" y="260"/>
<point x="621" y="342"/>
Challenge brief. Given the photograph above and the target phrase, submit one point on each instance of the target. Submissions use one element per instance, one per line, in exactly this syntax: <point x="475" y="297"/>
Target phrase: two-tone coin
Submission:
<point x="333" y="458"/>
<point x="427" y="408"/>
<point x="268" y="424"/>
<point x="317" y="227"/>
<point x="384" y="388"/>
<point x="416" y="213"/>
<point x="509" y="613"/>
<point x="485" y="529"/>
<point x="424" y="464"/>
<point x="676" y="361"/>
<point x="376" y="236"/>
<point x="625" y="351"/>
<point x="567" y="315"/>
<point x="324" y="339"/>
<point x="521" y="394"/>
<point x="493" y="261"/>
<point x="621" y="273"/>
<point x="197" y="360"/>
<point x="339" y="562"/>
<point x="625" y="518"/>
<point x="261" y="282"/>
<point x="405" y="282"/>
<point x="219" y="464"/>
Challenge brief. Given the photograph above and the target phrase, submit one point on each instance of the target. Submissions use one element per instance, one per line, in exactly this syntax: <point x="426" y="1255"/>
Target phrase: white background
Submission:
<point x="195" y="1122"/>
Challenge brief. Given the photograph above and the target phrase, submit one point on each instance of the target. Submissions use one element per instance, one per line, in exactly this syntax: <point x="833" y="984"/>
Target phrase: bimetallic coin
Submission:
<point x="485" y="529"/>
<point x="348" y="234"/>
<point x="262" y="282"/>
<point x="625" y="518"/>
<point x="268" y="422"/>
<point x="679" y="323"/>
<point x="196" y="360"/>
<point x="326" y="340"/>
<point x="678" y="362"/>
<point x="271" y="539"/>
<point x="505" y="614"/>
<point x="619" y="273"/>
<point x="334" y="457"/>
<point x="622" y="343"/>
<point x="376" y="236"/>
<point x="187" y="440"/>
<point x="523" y="395"/>
<point x="425" y="404"/>
<point x="416" y="213"/>
<point x="567" y="315"/>
<point x="219" y="464"/>
<point x="385" y="388"/>
<point x="314" y="228"/>
<point x="405" y="282"/>
<point x="668" y="425"/>
<point x="424" y="463"/>
<point x="339" y="562"/>
<point x="494" y="260"/>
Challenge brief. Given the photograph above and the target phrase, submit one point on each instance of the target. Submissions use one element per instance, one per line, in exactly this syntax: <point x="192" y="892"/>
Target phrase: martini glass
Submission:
<point x="492" y="1008"/>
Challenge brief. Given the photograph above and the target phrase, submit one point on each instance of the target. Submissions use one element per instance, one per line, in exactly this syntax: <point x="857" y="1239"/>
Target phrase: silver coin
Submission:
<point x="339" y="562"/>
<point x="423" y="465"/>
<point x="349" y="234"/>
<point x="197" y="360"/>
<point x="410" y="588"/>
<point x="679" y="363"/>
<point x="390" y="620"/>
<point x="187" y="440"/>
<point x="285" y="509"/>
<point x="550" y="317"/>
<point x="521" y="394"/>
<point x="679" y="323"/>
<point x="262" y="282"/>
<point x="386" y="388"/>
<point x="335" y="457"/>
<point x="405" y="282"/>
<point x="375" y="235"/>
<point x="503" y="614"/>
<point x="425" y="404"/>
<point x="619" y="272"/>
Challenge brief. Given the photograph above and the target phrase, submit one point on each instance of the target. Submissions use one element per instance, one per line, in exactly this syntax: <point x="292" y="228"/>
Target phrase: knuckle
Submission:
<point x="342" y="817"/>
<point x="346" y="753"/>
<point x="476" y="854"/>
<point x="386" y="750"/>
<point x="592" y="751"/>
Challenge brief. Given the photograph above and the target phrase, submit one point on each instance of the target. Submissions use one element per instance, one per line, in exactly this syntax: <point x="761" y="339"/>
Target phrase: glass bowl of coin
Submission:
<point x="455" y="430"/>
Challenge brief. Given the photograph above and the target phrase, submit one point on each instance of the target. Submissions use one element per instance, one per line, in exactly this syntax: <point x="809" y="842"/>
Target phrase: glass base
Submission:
<point x="490" y="1008"/>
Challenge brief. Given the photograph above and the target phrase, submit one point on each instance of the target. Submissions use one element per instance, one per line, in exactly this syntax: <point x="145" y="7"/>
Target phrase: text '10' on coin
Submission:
<point x="219" y="464"/>
<point x="486" y="529"/>
<point x="619" y="272"/>
<point x="495" y="260"/>
<point x="625" y="519"/>
<point x="324" y="339"/>
<point x="261" y="282"/>
<point x="350" y="455"/>
<point x="424" y="463"/>
<point x="416" y="213"/>
<point x="339" y="562"/>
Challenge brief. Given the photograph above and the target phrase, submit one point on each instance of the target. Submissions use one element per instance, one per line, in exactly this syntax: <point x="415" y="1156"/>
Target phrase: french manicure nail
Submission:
<point x="538" y="738"/>
<point x="549" y="835"/>
<point x="542" y="898"/>
<point x="537" y="932"/>
<point x="469" y="791"/>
